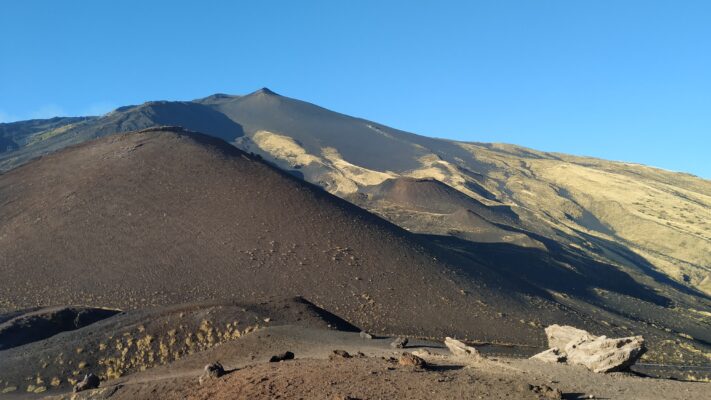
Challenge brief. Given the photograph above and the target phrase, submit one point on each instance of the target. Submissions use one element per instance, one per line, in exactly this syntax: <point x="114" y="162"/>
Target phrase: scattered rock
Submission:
<point x="460" y="349"/>
<point x="399" y="343"/>
<point x="90" y="381"/>
<point x="282" y="357"/>
<point x="603" y="354"/>
<point x="553" y="355"/>
<point x="365" y="335"/>
<point x="212" y="371"/>
<point x="411" y="360"/>
<point x="341" y="354"/>
<point x="547" y="392"/>
<point x="559" y="336"/>
<point x="422" y="353"/>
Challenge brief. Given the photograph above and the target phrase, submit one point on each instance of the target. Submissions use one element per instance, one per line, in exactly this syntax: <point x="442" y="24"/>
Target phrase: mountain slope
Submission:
<point x="153" y="218"/>
<point x="661" y="217"/>
<point x="68" y="131"/>
<point x="623" y="243"/>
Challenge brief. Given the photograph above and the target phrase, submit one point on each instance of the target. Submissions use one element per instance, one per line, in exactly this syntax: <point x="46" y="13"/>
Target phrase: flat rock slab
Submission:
<point x="560" y="335"/>
<point x="553" y="355"/>
<point x="603" y="354"/>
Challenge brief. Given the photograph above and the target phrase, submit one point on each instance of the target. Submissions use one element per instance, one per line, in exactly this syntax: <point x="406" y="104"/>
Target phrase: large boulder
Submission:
<point x="603" y="354"/>
<point x="560" y="335"/>
<point x="599" y="354"/>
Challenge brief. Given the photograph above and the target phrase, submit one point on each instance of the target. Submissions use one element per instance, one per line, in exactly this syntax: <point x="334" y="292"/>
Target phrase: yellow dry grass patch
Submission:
<point x="361" y="176"/>
<point x="284" y="148"/>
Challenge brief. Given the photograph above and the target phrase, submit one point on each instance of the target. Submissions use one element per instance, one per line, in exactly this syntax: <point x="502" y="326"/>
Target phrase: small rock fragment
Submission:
<point x="90" y="381"/>
<point x="411" y="360"/>
<point x="547" y="392"/>
<point x="341" y="354"/>
<point x="399" y="343"/>
<point x="212" y="371"/>
<point x="460" y="349"/>
<point x="365" y="335"/>
<point x="422" y="353"/>
<point x="282" y="357"/>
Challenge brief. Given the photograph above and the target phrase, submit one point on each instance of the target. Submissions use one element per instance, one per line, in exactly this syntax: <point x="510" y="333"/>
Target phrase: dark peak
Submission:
<point x="219" y="96"/>
<point x="265" y="91"/>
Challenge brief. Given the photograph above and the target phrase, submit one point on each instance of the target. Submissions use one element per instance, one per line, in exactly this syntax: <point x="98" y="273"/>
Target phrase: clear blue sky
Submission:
<point x="620" y="79"/>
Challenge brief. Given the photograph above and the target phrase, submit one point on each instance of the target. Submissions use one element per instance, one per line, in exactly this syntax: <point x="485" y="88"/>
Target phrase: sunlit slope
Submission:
<point x="664" y="217"/>
<point x="661" y="216"/>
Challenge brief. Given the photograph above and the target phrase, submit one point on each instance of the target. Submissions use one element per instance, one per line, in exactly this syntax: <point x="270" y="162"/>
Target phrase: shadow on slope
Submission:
<point x="555" y="269"/>
<point x="34" y="325"/>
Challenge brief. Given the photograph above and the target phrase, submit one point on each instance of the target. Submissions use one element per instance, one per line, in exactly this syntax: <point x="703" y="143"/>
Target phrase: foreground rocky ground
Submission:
<point x="332" y="364"/>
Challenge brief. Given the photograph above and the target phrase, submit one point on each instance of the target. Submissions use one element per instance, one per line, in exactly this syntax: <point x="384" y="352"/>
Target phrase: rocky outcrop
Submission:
<point x="604" y="354"/>
<point x="460" y="349"/>
<point x="597" y="353"/>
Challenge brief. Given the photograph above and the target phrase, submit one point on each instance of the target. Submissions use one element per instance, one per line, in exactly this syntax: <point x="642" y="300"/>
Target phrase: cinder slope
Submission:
<point x="152" y="218"/>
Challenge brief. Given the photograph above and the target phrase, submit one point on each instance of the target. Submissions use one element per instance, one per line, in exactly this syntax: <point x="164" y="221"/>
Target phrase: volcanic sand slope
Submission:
<point x="627" y="241"/>
<point x="660" y="215"/>
<point x="152" y="218"/>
